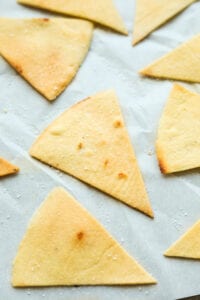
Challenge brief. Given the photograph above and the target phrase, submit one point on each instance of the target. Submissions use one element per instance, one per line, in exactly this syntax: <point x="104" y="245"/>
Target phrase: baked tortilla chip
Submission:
<point x="103" y="12"/>
<point x="65" y="245"/>
<point x="151" y="14"/>
<point x="183" y="63"/>
<point x="90" y="142"/>
<point x="188" y="246"/>
<point x="46" y="52"/>
<point x="6" y="168"/>
<point x="178" y="142"/>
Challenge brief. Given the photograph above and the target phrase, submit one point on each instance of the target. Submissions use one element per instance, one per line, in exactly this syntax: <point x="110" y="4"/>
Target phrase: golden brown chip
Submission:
<point x="90" y="141"/>
<point x="151" y="14"/>
<point x="188" y="246"/>
<point x="183" y="63"/>
<point x="103" y="12"/>
<point x="46" y="52"/>
<point x="6" y="168"/>
<point x="65" y="245"/>
<point x="178" y="142"/>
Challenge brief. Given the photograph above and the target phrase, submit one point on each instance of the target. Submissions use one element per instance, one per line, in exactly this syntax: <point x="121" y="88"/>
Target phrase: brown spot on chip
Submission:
<point x="42" y="21"/>
<point x="80" y="235"/>
<point x="106" y="162"/>
<point x="122" y="176"/>
<point x="161" y="160"/>
<point x="80" y="146"/>
<point x="162" y="167"/>
<point x="18" y="68"/>
<point x="117" y="124"/>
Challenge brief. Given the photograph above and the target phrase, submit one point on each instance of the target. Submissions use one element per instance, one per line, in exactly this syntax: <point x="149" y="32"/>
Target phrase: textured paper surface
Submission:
<point x="111" y="63"/>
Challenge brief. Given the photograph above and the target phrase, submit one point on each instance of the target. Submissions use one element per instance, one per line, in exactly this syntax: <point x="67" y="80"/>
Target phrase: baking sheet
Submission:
<point x="111" y="63"/>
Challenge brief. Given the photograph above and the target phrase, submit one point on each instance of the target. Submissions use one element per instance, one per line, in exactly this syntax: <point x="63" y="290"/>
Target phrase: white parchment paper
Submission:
<point x="111" y="63"/>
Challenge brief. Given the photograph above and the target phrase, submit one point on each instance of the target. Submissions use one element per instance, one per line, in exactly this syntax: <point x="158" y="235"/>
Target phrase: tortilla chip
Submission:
<point x="6" y="168"/>
<point x="46" y="52"/>
<point x="188" y="246"/>
<point x="152" y="14"/>
<point x="103" y="12"/>
<point x="178" y="142"/>
<point x="90" y="142"/>
<point x="65" y="245"/>
<point x="183" y="63"/>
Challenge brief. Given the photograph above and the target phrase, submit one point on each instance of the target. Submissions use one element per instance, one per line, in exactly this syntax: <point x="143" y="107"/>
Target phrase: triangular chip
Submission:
<point x="65" y="245"/>
<point x="103" y="12"/>
<point x="151" y="14"/>
<point x="178" y="142"/>
<point x="183" y="63"/>
<point x="90" y="142"/>
<point x="6" y="168"/>
<point x="46" y="52"/>
<point x="188" y="246"/>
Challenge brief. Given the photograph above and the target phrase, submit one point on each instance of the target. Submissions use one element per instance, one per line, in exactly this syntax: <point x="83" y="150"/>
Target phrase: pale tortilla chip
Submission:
<point x="90" y="142"/>
<point x="46" y="52"/>
<point x="188" y="246"/>
<point x="178" y="142"/>
<point x="183" y="63"/>
<point x="6" y="168"/>
<point x="65" y="245"/>
<point x="151" y="14"/>
<point x="103" y="12"/>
